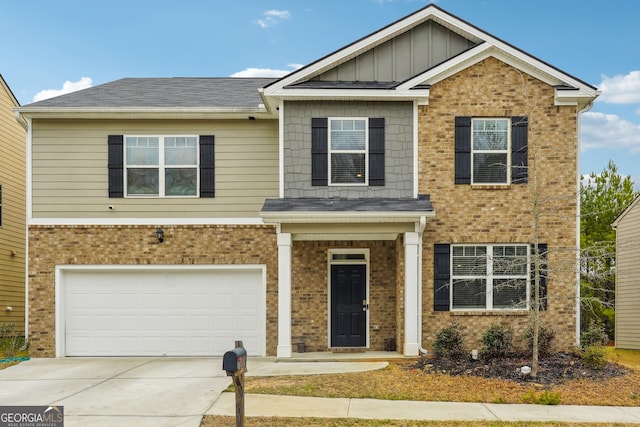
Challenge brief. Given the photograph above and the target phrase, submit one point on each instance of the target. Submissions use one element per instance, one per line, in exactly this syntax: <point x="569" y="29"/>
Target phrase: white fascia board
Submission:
<point x="143" y="221"/>
<point x="352" y="94"/>
<point x="144" y="113"/>
<point x="342" y="217"/>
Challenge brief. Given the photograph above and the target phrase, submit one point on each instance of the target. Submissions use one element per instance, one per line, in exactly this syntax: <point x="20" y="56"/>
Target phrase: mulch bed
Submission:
<point x="555" y="368"/>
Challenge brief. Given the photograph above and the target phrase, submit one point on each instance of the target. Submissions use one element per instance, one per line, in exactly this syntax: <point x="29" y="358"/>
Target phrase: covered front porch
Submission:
<point x="349" y="274"/>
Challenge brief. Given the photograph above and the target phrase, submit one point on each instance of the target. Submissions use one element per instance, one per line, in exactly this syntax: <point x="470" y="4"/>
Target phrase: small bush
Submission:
<point x="595" y="335"/>
<point x="594" y="356"/>
<point x="448" y="342"/>
<point x="10" y="343"/>
<point x="544" y="398"/>
<point x="497" y="341"/>
<point x="545" y="339"/>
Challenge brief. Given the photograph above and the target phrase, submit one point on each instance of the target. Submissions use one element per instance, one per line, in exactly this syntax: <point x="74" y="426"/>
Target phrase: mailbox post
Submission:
<point x="234" y="362"/>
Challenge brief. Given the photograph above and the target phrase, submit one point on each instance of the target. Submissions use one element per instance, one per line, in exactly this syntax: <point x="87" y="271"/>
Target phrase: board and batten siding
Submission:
<point x="628" y="279"/>
<point x="12" y="230"/>
<point x="70" y="175"/>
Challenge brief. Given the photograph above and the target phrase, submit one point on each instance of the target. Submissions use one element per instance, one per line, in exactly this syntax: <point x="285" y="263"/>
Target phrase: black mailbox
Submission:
<point x="235" y="360"/>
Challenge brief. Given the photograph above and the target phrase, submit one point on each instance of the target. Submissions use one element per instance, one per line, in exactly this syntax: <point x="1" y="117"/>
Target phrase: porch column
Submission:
<point x="284" y="295"/>
<point x="411" y="339"/>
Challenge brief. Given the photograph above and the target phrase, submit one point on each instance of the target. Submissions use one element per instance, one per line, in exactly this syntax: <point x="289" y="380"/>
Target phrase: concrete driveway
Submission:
<point x="137" y="391"/>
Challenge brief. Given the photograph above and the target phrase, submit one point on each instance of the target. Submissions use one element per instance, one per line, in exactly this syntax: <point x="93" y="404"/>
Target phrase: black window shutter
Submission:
<point x="207" y="166"/>
<point x="115" y="163"/>
<point x="376" y="152"/>
<point x="542" y="250"/>
<point x="519" y="148"/>
<point x="319" y="151"/>
<point x="441" y="277"/>
<point x="463" y="150"/>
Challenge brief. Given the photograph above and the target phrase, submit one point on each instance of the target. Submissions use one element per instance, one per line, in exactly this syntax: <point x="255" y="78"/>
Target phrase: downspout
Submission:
<point x="422" y="225"/>
<point x="586" y="108"/>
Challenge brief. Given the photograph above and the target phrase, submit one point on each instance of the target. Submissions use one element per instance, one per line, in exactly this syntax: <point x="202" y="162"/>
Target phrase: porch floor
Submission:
<point x="328" y="356"/>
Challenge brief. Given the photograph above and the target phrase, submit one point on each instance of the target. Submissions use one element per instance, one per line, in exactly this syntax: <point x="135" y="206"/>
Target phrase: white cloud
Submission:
<point x="67" y="87"/>
<point x="621" y="89"/>
<point x="266" y="72"/>
<point x="599" y="130"/>
<point x="272" y="17"/>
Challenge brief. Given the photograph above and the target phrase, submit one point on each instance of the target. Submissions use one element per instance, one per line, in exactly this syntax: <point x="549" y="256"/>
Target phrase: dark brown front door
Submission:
<point x="348" y="305"/>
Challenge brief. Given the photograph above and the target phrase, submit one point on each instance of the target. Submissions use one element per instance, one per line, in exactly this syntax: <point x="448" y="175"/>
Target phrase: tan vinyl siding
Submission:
<point x="70" y="177"/>
<point x="628" y="280"/>
<point x="12" y="231"/>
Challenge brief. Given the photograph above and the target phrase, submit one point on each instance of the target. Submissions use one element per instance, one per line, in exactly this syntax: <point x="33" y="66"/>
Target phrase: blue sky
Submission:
<point x="49" y="47"/>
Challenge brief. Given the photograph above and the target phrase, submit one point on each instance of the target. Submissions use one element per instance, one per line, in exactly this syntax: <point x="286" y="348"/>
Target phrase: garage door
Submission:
<point x="163" y="312"/>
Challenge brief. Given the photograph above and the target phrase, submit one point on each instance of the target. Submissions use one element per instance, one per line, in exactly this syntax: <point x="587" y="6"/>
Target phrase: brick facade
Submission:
<point x="137" y="245"/>
<point x="476" y="214"/>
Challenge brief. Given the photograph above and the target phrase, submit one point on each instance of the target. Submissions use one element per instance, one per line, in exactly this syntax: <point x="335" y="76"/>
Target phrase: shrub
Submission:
<point x="10" y="343"/>
<point x="594" y="356"/>
<point x="497" y="341"/>
<point x="545" y="339"/>
<point x="595" y="335"/>
<point x="544" y="398"/>
<point x="448" y="342"/>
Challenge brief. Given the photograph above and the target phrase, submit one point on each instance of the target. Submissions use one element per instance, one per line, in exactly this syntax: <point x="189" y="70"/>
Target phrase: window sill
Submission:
<point x="491" y="313"/>
<point x="490" y="186"/>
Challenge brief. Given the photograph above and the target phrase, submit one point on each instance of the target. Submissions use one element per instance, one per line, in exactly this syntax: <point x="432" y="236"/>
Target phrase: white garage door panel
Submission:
<point x="154" y="313"/>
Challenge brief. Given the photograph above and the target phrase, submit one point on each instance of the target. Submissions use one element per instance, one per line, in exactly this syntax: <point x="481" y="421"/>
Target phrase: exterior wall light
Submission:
<point x="160" y="235"/>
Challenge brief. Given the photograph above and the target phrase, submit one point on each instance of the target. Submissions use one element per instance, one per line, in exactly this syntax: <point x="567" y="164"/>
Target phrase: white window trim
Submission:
<point x="489" y="278"/>
<point x="508" y="150"/>
<point x="366" y="153"/>
<point x="161" y="167"/>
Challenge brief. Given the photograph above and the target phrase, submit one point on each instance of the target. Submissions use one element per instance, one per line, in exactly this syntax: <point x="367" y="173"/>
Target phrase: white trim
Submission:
<point x="412" y="339"/>
<point x="330" y="152"/>
<point x="281" y="149"/>
<point x="367" y="263"/>
<point x="146" y="221"/>
<point x="328" y="217"/>
<point x="416" y="150"/>
<point x="60" y="291"/>
<point x="29" y="214"/>
<point x="284" y="295"/>
<point x="507" y="151"/>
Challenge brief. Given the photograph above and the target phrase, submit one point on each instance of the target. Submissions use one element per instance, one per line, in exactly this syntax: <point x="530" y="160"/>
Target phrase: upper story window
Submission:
<point x="489" y="277"/>
<point x="490" y="151"/>
<point x="348" y="151"/>
<point x="161" y="166"/>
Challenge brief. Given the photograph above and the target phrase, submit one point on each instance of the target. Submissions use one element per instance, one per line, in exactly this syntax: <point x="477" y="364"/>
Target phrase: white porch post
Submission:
<point x="411" y="339"/>
<point x="284" y="295"/>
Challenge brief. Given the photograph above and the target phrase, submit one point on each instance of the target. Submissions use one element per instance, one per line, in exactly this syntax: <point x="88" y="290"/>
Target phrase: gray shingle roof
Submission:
<point x="174" y="92"/>
<point x="421" y="204"/>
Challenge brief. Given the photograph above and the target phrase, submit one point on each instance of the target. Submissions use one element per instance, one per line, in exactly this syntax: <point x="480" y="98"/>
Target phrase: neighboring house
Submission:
<point x="627" y="227"/>
<point x="12" y="212"/>
<point x="361" y="202"/>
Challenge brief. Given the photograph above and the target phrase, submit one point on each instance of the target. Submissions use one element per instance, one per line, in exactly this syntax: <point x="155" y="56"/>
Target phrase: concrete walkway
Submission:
<point x="168" y="391"/>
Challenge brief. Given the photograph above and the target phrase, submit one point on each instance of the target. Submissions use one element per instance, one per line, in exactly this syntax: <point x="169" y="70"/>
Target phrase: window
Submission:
<point x="491" y="277"/>
<point x="161" y="166"/>
<point x="348" y="151"/>
<point x="490" y="151"/>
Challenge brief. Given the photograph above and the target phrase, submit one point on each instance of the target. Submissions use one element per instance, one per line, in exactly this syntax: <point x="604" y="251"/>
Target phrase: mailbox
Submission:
<point x="235" y="360"/>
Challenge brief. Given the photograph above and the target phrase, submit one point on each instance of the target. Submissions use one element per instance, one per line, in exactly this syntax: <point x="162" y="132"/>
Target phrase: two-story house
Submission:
<point x="369" y="198"/>
<point x="13" y="244"/>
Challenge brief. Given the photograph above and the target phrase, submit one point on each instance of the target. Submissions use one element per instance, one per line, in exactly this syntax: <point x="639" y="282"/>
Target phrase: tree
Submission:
<point x="603" y="197"/>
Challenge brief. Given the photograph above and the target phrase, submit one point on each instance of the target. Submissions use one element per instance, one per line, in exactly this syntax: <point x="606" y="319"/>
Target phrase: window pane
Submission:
<point x="469" y="261"/>
<point x="180" y="151"/>
<point x="348" y="135"/>
<point x="490" y="168"/>
<point x="469" y="294"/>
<point x="142" y="182"/>
<point x="181" y="182"/>
<point x="142" y="151"/>
<point x="347" y="168"/>
<point x="510" y="261"/>
<point x="490" y="134"/>
<point x="509" y="293"/>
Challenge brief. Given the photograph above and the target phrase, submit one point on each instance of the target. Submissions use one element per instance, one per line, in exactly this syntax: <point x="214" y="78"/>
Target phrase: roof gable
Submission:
<point x="345" y="63"/>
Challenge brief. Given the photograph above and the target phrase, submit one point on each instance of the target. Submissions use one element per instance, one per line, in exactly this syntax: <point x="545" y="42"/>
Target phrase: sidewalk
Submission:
<point x="257" y="405"/>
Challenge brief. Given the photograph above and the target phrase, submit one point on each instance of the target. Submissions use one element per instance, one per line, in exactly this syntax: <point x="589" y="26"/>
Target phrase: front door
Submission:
<point x="348" y="305"/>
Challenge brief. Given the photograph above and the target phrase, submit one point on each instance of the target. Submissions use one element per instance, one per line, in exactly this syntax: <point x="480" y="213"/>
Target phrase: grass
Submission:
<point x="399" y="382"/>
